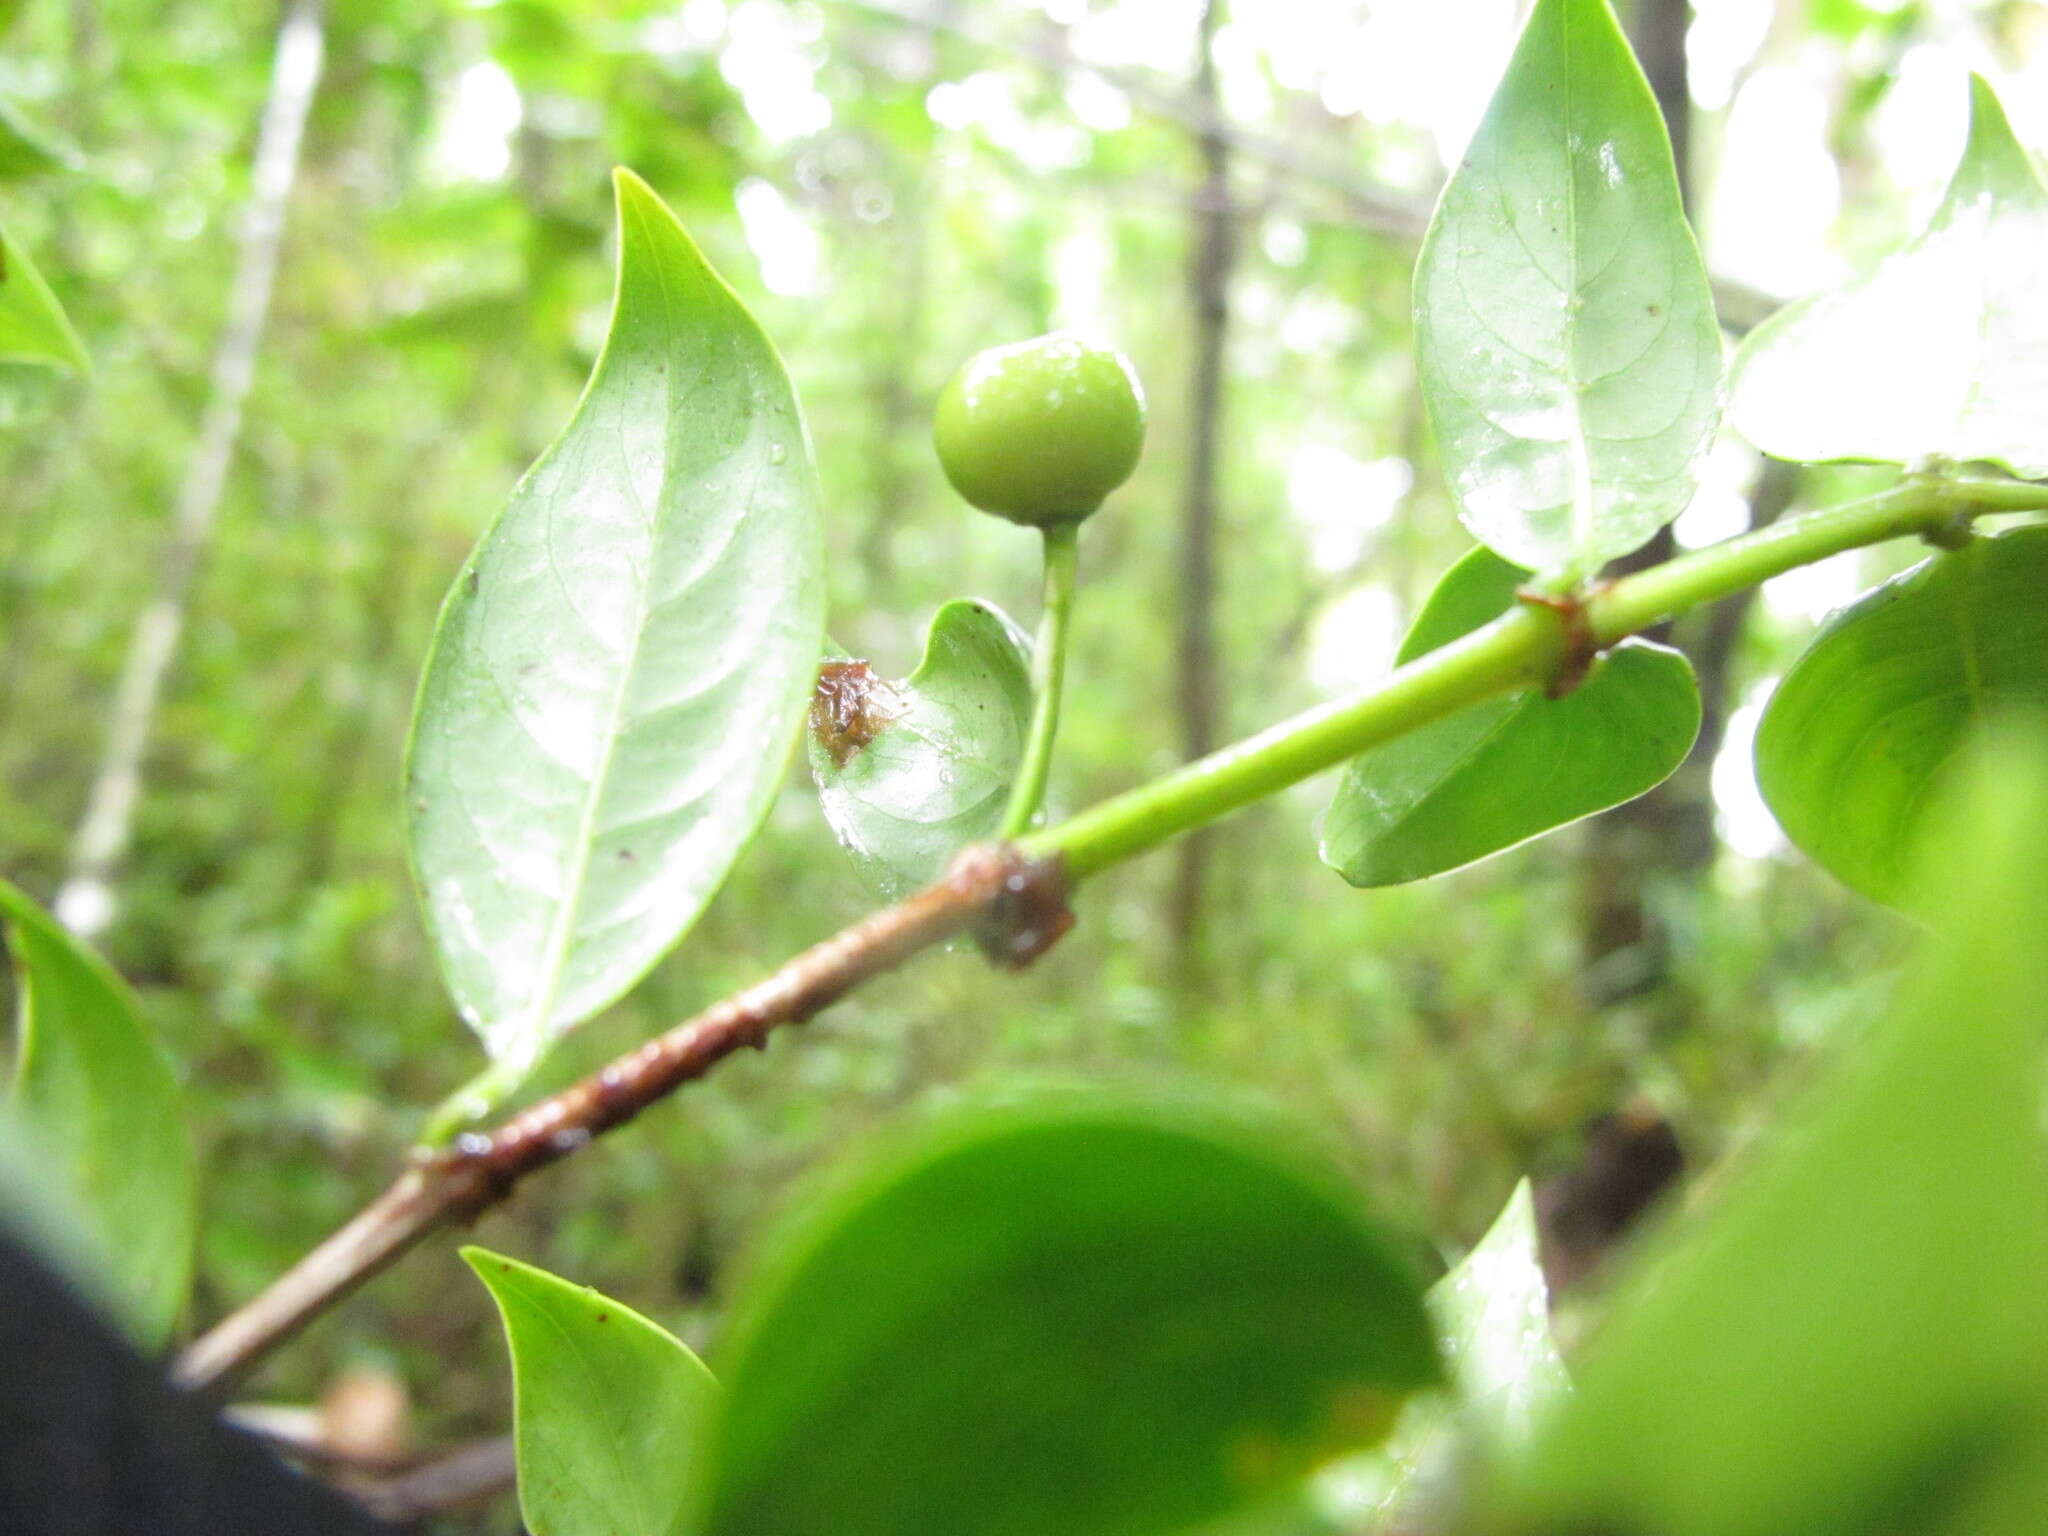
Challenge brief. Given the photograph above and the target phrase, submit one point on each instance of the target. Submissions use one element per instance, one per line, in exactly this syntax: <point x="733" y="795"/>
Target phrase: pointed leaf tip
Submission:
<point x="599" y="736"/>
<point x="1941" y="351"/>
<point x="1568" y="350"/>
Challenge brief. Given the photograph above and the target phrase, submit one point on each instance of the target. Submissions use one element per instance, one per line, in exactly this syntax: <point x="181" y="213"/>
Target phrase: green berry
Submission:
<point x="1039" y="432"/>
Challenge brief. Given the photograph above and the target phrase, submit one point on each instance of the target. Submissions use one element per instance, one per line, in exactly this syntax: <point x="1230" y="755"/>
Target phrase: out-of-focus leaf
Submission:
<point x="102" y="1116"/>
<point x="1864" y="724"/>
<point x="1505" y="771"/>
<point x="1493" y="1315"/>
<point x="1075" y="1316"/>
<point x="33" y="327"/>
<point x="622" y="666"/>
<point x="1856" y="1331"/>
<point x="1569" y="353"/>
<point x="608" y="1407"/>
<point x="909" y="772"/>
<point x="1942" y="350"/>
<point x="26" y="150"/>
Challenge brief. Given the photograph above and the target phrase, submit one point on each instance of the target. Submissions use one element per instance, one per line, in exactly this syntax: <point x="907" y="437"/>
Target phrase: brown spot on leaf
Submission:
<point x="850" y="708"/>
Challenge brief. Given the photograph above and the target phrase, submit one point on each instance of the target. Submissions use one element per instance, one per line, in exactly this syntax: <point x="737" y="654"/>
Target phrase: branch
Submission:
<point x="1012" y="897"/>
<point x="1016" y="908"/>
<point x="457" y="1480"/>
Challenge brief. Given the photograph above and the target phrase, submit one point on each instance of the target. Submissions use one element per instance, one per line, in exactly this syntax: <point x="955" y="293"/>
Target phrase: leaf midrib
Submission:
<point x="540" y="1012"/>
<point x="1581" y="455"/>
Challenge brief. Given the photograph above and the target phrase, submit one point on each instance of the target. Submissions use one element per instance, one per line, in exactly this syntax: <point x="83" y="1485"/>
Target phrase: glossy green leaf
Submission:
<point x="1942" y="350"/>
<point x="1493" y="1315"/>
<point x="1864" y="724"/>
<point x="102" y="1116"/>
<point x="1569" y="353"/>
<point x="622" y="666"/>
<point x="608" y="1410"/>
<point x="910" y="771"/>
<point x="1510" y="769"/>
<point x="1857" y="1325"/>
<point x="33" y="328"/>
<point x="1075" y="1316"/>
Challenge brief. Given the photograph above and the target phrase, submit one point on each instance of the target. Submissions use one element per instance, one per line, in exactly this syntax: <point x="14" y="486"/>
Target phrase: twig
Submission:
<point x="1012" y="896"/>
<point x="460" y="1479"/>
<point x="1015" y="907"/>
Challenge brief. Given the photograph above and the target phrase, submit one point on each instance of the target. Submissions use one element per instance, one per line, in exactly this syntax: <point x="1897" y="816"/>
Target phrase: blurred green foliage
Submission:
<point x="431" y="331"/>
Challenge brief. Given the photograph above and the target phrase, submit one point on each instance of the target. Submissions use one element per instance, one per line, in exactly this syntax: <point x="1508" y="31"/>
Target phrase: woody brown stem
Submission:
<point x="1015" y="907"/>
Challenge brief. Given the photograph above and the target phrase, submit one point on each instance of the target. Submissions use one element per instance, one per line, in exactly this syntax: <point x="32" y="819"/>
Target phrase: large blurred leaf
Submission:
<point x="1568" y="347"/>
<point x="909" y="772"/>
<point x="33" y="328"/>
<point x="1866" y="722"/>
<point x="608" y="1407"/>
<point x="622" y="666"/>
<point x="1858" y="1326"/>
<point x="102" y="1117"/>
<point x="1510" y="769"/>
<point x="1943" y="350"/>
<point x="1081" y="1317"/>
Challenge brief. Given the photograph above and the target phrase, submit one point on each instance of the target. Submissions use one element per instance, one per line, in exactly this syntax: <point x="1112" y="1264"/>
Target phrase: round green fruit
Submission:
<point x="1039" y="432"/>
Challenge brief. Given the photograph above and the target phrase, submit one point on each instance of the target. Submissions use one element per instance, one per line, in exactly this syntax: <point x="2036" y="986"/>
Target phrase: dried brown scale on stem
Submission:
<point x="1016" y="907"/>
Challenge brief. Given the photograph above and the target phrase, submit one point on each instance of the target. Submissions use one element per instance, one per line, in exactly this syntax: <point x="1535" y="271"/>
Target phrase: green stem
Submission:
<point x="1519" y="650"/>
<point x="1048" y="674"/>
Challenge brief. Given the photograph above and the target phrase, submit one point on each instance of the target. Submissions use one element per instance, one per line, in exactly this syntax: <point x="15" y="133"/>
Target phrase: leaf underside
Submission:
<point x="909" y="772"/>
<point x="1942" y="351"/>
<point x="609" y="1408"/>
<point x="1861" y="731"/>
<point x="1568" y="348"/>
<point x="621" y="667"/>
<point x="1502" y="772"/>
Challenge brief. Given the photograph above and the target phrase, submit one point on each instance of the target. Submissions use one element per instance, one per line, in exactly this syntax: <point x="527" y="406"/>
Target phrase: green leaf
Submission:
<point x="1857" y="1325"/>
<point x="1079" y="1316"/>
<point x="103" y="1119"/>
<point x="33" y="328"/>
<point x="1510" y="769"/>
<point x="26" y="150"/>
<point x="1864" y="724"/>
<point x="1942" y="350"/>
<point x="622" y="666"/>
<point x="1493" y="1315"/>
<point x="608" y="1407"/>
<point x="1569" y="353"/>
<point x="909" y="772"/>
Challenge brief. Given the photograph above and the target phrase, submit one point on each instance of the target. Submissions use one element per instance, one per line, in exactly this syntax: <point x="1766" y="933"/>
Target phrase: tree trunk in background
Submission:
<point x="1200" y="687"/>
<point x="86" y="900"/>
